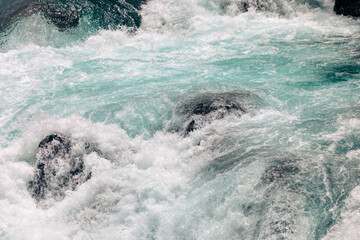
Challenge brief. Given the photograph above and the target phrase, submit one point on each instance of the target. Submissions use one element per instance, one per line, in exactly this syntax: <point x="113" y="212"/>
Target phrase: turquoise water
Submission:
<point x="287" y="169"/>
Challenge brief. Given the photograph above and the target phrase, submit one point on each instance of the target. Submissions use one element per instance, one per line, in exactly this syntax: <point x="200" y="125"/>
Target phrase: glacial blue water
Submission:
<point x="287" y="169"/>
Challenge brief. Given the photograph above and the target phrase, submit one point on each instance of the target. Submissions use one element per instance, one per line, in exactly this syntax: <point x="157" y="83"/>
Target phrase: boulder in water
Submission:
<point x="59" y="168"/>
<point x="65" y="14"/>
<point x="347" y="7"/>
<point x="202" y="109"/>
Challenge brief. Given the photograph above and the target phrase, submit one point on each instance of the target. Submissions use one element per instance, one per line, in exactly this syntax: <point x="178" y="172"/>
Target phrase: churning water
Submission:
<point x="280" y="161"/>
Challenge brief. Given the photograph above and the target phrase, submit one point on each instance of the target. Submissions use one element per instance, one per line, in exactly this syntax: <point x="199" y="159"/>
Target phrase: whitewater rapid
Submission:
<point x="286" y="169"/>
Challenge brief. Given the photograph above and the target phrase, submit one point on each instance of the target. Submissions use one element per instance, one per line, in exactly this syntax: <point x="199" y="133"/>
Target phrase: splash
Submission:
<point x="272" y="88"/>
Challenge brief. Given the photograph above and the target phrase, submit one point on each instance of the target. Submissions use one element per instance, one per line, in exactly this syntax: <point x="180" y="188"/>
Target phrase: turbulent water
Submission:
<point x="284" y="165"/>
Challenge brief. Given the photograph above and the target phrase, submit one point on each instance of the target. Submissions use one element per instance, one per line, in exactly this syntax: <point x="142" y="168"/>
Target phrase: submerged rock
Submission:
<point x="282" y="199"/>
<point x="59" y="168"/>
<point x="347" y="7"/>
<point x="196" y="111"/>
<point x="67" y="14"/>
<point x="210" y="107"/>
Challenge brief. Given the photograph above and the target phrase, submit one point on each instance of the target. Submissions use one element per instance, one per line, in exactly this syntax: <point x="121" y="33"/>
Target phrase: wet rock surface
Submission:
<point x="347" y="7"/>
<point x="199" y="110"/>
<point x="59" y="167"/>
<point x="103" y="14"/>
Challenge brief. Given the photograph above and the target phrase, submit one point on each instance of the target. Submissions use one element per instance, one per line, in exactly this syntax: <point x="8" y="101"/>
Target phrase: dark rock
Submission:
<point x="243" y="6"/>
<point x="280" y="173"/>
<point x="208" y="107"/>
<point x="59" y="168"/>
<point x="65" y="14"/>
<point x="190" y="127"/>
<point x="347" y="7"/>
<point x="136" y="3"/>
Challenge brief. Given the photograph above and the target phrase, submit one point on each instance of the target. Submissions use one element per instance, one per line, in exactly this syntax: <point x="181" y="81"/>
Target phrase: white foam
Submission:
<point x="132" y="174"/>
<point x="141" y="186"/>
<point x="348" y="225"/>
<point x="136" y="185"/>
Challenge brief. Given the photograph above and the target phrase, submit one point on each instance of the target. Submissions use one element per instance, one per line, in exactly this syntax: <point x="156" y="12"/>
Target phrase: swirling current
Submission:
<point x="186" y="119"/>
